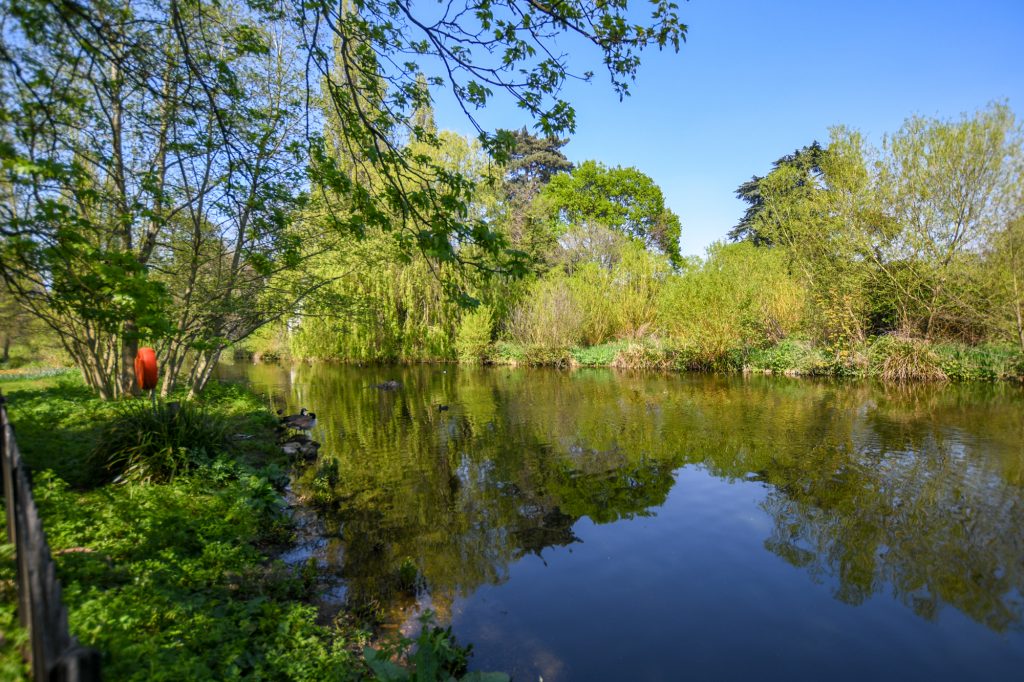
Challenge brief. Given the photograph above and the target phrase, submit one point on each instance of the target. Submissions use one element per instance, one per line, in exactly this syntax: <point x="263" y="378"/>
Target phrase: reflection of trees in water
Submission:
<point x="918" y="490"/>
<point x="929" y="527"/>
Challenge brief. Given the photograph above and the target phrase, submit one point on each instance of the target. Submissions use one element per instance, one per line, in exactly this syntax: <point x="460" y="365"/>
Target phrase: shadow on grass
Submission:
<point x="56" y="427"/>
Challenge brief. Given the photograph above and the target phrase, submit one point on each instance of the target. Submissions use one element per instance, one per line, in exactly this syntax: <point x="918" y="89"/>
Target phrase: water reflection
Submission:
<point x="913" y="491"/>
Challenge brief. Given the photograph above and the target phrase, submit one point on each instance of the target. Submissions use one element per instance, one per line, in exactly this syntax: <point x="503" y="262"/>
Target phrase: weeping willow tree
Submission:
<point x="386" y="301"/>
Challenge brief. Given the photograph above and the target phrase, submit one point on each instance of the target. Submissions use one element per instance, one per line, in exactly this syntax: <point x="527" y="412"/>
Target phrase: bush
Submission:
<point x="643" y="356"/>
<point x="901" y="358"/>
<point x="473" y="342"/>
<point x="789" y="357"/>
<point x="597" y="356"/>
<point x="696" y="357"/>
<point x="741" y="296"/>
<point x="544" y="356"/>
<point x="980" y="363"/>
<point x="549" y="316"/>
<point x="508" y="353"/>
<point x="154" y="445"/>
<point x="847" y="362"/>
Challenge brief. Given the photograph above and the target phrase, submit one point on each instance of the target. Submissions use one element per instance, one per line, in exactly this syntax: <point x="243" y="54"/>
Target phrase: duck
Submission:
<point x="303" y="421"/>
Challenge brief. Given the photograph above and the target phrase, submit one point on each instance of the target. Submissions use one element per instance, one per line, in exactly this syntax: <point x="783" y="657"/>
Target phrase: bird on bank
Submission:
<point x="303" y="421"/>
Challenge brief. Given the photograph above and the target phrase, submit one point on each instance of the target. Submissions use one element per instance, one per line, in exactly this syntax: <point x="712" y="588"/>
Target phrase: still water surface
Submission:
<point x="600" y="525"/>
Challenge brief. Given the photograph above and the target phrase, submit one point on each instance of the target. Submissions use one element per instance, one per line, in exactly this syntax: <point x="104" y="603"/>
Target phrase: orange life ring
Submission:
<point x="145" y="368"/>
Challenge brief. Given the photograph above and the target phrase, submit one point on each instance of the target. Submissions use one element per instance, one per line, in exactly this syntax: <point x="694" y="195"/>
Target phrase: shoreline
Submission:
<point x="890" y="360"/>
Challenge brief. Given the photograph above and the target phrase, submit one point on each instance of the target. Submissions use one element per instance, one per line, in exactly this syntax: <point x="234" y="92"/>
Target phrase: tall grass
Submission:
<point x="155" y="445"/>
<point x="899" y="358"/>
<point x="643" y="356"/>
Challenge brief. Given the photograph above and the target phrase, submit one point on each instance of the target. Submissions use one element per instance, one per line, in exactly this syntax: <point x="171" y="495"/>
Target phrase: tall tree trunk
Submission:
<point x="129" y="350"/>
<point x="202" y="377"/>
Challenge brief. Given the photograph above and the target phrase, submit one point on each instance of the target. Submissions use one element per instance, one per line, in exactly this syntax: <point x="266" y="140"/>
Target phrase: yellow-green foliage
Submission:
<point x="382" y="307"/>
<point x="643" y="356"/>
<point x="741" y="296"/>
<point x="474" y="340"/>
<point x="549" y="315"/>
<point x="638" y="279"/>
<point x="615" y="297"/>
<point x="896" y="358"/>
<point x="593" y="304"/>
<point x="270" y="342"/>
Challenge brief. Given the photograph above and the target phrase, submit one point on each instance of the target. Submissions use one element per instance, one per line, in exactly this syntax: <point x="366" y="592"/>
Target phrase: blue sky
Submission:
<point x="755" y="80"/>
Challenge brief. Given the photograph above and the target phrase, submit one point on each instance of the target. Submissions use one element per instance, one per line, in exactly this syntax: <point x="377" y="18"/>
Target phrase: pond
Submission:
<point x="602" y="525"/>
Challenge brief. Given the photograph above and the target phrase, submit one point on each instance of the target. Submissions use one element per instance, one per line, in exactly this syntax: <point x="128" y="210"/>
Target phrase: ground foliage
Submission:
<point x="172" y="577"/>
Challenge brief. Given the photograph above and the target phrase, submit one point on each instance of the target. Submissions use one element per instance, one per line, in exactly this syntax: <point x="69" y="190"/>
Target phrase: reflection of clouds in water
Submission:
<point x="520" y="646"/>
<point x="549" y="664"/>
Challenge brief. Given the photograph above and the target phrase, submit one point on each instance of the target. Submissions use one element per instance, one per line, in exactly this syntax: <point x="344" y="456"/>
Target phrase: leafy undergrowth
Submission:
<point x="12" y="636"/>
<point x="171" y="582"/>
<point x="167" y="571"/>
<point x="888" y="358"/>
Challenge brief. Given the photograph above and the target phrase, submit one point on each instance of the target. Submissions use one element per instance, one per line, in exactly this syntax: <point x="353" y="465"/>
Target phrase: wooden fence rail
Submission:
<point x="54" y="654"/>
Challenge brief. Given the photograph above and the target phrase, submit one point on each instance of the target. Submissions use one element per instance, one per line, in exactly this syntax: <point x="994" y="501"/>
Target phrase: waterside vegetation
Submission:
<point x="898" y="263"/>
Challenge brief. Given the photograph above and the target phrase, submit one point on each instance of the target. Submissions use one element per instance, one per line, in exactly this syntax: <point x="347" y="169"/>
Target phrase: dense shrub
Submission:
<point x="643" y="356"/>
<point x="901" y="358"/>
<point x="474" y="339"/>
<point x="144" y="443"/>
<point x="597" y="356"/>
<point x="508" y="353"/>
<point x="980" y="363"/>
<point x="548" y="317"/>
<point x="740" y="298"/>
<point x="545" y="356"/>
<point x="789" y="356"/>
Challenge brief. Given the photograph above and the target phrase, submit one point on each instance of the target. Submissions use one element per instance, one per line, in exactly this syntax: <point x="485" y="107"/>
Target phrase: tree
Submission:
<point x="810" y="206"/>
<point x="140" y="134"/>
<point x="1005" y="264"/>
<point x="948" y="186"/>
<point x="806" y="166"/>
<point x="531" y="164"/>
<point x="15" y="324"/>
<point x="895" y="239"/>
<point x="621" y="199"/>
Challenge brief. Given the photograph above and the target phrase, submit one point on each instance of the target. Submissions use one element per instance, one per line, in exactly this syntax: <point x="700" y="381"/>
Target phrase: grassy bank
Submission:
<point x="168" y="570"/>
<point x="886" y="358"/>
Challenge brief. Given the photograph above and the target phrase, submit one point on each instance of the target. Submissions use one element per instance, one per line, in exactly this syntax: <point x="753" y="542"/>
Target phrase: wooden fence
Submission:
<point x="54" y="654"/>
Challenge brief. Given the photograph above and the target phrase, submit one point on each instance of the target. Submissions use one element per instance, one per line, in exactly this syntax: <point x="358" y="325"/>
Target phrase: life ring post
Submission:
<point x="146" y="372"/>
